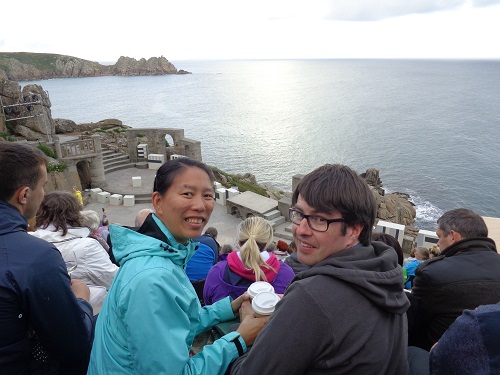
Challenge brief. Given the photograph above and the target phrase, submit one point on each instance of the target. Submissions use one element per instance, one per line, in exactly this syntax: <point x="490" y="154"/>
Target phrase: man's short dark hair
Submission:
<point x="463" y="221"/>
<point x="211" y="232"/>
<point x="336" y="187"/>
<point x="19" y="166"/>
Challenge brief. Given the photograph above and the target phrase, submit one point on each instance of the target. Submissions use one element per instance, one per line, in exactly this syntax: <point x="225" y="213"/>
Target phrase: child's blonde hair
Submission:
<point x="254" y="235"/>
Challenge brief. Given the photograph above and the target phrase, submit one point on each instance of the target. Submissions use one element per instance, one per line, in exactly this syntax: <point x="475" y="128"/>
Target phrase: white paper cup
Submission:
<point x="263" y="304"/>
<point x="259" y="287"/>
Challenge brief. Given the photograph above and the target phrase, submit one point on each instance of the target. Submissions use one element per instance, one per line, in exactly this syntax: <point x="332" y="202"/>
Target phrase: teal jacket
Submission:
<point x="151" y="313"/>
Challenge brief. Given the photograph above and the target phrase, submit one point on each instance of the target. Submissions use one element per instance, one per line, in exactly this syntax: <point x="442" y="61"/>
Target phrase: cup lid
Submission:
<point x="259" y="287"/>
<point x="265" y="302"/>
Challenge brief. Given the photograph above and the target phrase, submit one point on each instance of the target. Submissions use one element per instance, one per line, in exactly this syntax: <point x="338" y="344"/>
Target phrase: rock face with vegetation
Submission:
<point x="392" y="207"/>
<point x="27" y="66"/>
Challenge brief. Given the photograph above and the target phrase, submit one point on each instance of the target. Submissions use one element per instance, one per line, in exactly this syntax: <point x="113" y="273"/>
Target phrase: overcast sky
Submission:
<point x="104" y="30"/>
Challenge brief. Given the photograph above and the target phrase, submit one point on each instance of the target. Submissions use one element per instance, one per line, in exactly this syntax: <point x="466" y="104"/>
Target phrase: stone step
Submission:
<point x="272" y="215"/>
<point x="115" y="157"/>
<point x="283" y="235"/>
<point x="277" y="221"/>
<point x="111" y="163"/>
<point x="288" y="228"/>
<point x="118" y="167"/>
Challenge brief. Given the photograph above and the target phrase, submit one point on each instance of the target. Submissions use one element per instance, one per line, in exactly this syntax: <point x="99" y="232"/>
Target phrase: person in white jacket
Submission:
<point x="59" y="222"/>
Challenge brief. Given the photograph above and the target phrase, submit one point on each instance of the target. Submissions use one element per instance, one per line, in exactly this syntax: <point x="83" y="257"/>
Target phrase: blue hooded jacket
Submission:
<point x="152" y="314"/>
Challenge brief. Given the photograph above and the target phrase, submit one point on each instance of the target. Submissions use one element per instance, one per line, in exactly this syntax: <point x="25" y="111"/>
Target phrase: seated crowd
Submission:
<point x="350" y="302"/>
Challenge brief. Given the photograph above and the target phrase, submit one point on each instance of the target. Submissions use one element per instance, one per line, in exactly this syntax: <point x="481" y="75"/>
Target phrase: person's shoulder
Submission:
<point x="284" y="267"/>
<point x="207" y="241"/>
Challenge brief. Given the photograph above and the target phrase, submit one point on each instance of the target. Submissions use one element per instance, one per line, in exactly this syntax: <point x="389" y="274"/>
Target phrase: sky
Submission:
<point x="103" y="31"/>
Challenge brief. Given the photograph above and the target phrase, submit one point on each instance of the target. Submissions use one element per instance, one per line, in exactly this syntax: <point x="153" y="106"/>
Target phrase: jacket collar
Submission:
<point x="469" y="244"/>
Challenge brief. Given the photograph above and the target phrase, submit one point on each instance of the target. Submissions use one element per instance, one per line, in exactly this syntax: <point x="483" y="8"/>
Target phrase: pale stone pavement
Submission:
<point x="120" y="182"/>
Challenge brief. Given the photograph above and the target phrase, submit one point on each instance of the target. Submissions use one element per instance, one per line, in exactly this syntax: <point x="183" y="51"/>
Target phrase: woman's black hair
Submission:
<point x="169" y="170"/>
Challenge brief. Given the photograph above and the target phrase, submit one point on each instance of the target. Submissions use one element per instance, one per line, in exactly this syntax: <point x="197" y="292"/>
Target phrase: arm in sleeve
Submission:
<point x="220" y="311"/>
<point x="62" y="322"/>
<point x="164" y="315"/>
<point x="299" y="327"/>
<point x="100" y="269"/>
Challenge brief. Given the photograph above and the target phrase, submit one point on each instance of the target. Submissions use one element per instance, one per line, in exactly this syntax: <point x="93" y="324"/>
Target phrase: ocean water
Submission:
<point x="431" y="127"/>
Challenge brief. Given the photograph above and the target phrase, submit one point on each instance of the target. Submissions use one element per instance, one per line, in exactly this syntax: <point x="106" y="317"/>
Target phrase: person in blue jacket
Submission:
<point x="206" y="255"/>
<point x="45" y="317"/>
<point x="151" y="313"/>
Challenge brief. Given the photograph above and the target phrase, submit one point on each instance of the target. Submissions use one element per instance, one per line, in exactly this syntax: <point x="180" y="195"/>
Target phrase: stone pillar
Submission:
<point x="57" y="146"/>
<point x="97" y="165"/>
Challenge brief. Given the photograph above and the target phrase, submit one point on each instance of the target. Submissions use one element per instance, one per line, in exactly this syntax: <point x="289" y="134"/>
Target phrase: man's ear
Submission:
<point x="354" y="231"/>
<point x="22" y="195"/>
<point x="455" y="236"/>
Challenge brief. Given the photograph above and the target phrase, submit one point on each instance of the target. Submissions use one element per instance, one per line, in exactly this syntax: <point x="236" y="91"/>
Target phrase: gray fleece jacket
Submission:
<point x="345" y="315"/>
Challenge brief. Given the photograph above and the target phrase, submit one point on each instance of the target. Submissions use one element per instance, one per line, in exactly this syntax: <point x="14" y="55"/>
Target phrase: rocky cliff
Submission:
<point x="26" y="66"/>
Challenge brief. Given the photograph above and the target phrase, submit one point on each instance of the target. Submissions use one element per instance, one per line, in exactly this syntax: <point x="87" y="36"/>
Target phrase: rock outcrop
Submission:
<point x="392" y="207"/>
<point x="24" y="66"/>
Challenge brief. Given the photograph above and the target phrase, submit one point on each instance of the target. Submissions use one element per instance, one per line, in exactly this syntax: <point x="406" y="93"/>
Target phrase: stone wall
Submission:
<point x="155" y="139"/>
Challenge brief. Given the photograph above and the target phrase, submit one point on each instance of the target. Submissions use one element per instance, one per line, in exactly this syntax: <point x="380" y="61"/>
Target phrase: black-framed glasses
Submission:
<point x="317" y="223"/>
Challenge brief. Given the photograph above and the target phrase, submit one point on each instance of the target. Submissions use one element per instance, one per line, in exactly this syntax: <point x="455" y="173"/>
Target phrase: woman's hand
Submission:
<point x="236" y="304"/>
<point x="250" y="327"/>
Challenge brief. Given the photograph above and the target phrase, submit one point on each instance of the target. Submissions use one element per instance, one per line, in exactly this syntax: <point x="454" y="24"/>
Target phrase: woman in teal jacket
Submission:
<point x="151" y="313"/>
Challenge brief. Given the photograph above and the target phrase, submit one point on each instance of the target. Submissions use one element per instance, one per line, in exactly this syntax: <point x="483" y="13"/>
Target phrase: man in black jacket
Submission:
<point x="45" y="318"/>
<point x="464" y="276"/>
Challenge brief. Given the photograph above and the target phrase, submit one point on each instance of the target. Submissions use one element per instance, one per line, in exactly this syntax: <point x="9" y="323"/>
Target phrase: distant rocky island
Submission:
<point x="28" y="66"/>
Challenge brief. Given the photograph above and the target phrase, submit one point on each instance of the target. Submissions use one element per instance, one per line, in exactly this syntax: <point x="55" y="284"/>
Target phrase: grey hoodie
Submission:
<point x="345" y="315"/>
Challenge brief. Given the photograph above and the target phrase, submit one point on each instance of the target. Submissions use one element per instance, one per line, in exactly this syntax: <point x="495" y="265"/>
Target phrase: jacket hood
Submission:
<point x="11" y="220"/>
<point x="372" y="270"/>
<point x="151" y="239"/>
<point x="50" y="235"/>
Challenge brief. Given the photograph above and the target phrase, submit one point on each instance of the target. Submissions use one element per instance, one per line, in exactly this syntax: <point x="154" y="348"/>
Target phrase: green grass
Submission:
<point x="7" y="136"/>
<point x="48" y="151"/>
<point x="243" y="185"/>
<point x="56" y="168"/>
<point x="39" y="60"/>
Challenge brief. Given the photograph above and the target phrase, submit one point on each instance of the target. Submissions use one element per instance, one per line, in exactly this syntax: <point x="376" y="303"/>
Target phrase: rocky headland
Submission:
<point x="27" y="66"/>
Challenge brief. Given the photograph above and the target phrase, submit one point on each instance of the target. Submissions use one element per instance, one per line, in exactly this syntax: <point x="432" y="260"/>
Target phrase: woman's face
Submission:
<point x="187" y="205"/>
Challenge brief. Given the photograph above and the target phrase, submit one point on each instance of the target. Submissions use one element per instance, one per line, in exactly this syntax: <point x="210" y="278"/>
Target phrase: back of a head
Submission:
<point x="422" y="253"/>
<point x="392" y="242"/>
<point x="226" y="249"/>
<point x="336" y="187"/>
<point x="140" y="217"/>
<point x="90" y="219"/>
<point x="254" y="235"/>
<point x="61" y="209"/>
<point x="21" y="163"/>
<point x="211" y="232"/>
<point x="292" y="248"/>
<point x="464" y="221"/>
<point x="282" y="246"/>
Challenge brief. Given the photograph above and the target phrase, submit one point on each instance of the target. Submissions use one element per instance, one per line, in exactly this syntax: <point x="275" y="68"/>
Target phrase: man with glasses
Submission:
<point x="346" y="313"/>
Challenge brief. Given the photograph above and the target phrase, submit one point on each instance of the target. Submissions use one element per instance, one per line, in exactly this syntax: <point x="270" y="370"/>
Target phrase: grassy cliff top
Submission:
<point x="38" y="60"/>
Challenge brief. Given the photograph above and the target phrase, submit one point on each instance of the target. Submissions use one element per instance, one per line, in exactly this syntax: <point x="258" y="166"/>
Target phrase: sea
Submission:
<point x="431" y="127"/>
